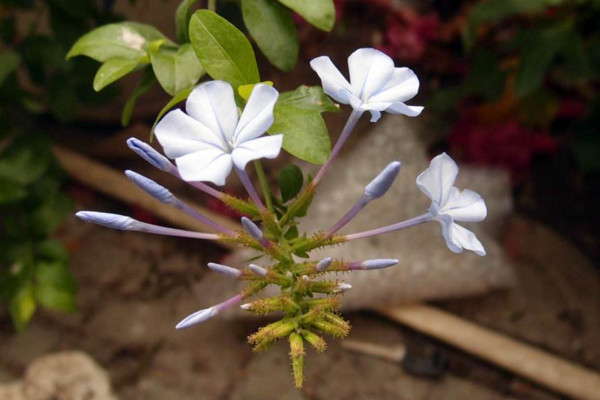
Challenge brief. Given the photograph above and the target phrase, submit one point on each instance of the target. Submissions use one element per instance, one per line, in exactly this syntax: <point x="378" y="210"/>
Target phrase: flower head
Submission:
<point x="449" y="204"/>
<point x="375" y="85"/>
<point x="210" y="139"/>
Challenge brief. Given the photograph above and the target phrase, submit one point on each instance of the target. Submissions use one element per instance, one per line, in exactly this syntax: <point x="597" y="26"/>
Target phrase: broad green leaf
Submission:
<point x="113" y="70"/>
<point x="273" y="28"/>
<point x="22" y="307"/>
<point x="125" y="40"/>
<point x="308" y="98"/>
<point x="56" y="299"/>
<point x="145" y="83"/>
<point x="224" y="51"/>
<point x="178" y="98"/>
<point x="50" y="213"/>
<point x="51" y="250"/>
<point x="9" y="64"/>
<point x="290" y="182"/>
<point x="320" y="13"/>
<point x="55" y="274"/>
<point x="305" y="133"/>
<point x="176" y="70"/>
<point x="182" y="20"/>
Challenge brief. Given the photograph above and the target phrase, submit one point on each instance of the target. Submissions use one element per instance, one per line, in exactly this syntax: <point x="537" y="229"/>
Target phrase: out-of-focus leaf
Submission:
<point x="224" y="51"/>
<point x="26" y="160"/>
<point x="145" y="83"/>
<point x="484" y="78"/>
<point x="290" y="182"/>
<point x="538" y="109"/>
<point x="10" y="191"/>
<point x="125" y="40"/>
<point x="63" y="99"/>
<point x="50" y="213"/>
<point x="271" y="25"/>
<point x="55" y="286"/>
<point x="320" y="13"/>
<point x="51" y="250"/>
<point x="182" y="20"/>
<point x="176" y="70"/>
<point x="446" y="99"/>
<point x="112" y="70"/>
<point x="9" y="64"/>
<point x="22" y="307"/>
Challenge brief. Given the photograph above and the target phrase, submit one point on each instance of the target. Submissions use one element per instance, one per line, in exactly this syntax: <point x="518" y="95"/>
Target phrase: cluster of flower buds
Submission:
<point x="210" y="140"/>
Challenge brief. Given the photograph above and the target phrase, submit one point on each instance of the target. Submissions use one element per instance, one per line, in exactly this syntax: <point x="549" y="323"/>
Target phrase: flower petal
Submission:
<point x="213" y="104"/>
<point x="437" y="180"/>
<point x="258" y="114"/>
<point x="197" y="317"/>
<point x="180" y="134"/>
<point x="334" y="83"/>
<point x="459" y="238"/>
<point x="402" y="86"/>
<point x="264" y="147"/>
<point x="401" y="108"/>
<point x="370" y="70"/>
<point x="465" y="205"/>
<point x="208" y="165"/>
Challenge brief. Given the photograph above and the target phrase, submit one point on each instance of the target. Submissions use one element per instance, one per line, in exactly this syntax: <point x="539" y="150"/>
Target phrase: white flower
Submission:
<point x="448" y="204"/>
<point x="375" y="85"/>
<point x="210" y="139"/>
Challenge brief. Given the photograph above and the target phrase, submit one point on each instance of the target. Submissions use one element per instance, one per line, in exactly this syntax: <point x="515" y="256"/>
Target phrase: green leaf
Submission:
<point x="125" y="40"/>
<point x="51" y="250"/>
<point x="10" y="191"/>
<point x="50" y="213"/>
<point x="305" y="133"/>
<point x="182" y="20"/>
<point x="53" y="298"/>
<point x="291" y="233"/>
<point x="320" y="13"/>
<point x="112" y="70"/>
<point x="539" y="48"/>
<point x="145" y="83"/>
<point x="26" y="160"/>
<point x="273" y="28"/>
<point x="9" y="64"/>
<point x="308" y="98"/>
<point x="179" y="97"/>
<point x="222" y="49"/>
<point x="55" y="274"/>
<point x="290" y="182"/>
<point x="22" y="307"/>
<point x="176" y="70"/>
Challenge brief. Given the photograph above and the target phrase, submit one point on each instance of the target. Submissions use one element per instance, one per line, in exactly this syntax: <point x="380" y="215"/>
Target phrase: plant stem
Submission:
<point x="212" y="5"/>
<point x="390" y="228"/>
<point x="250" y="188"/>
<point x="264" y="184"/>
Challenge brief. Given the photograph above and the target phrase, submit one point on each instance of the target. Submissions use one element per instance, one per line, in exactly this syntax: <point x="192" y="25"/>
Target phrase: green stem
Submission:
<point x="264" y="184"/>
<point x="212" y="5"/>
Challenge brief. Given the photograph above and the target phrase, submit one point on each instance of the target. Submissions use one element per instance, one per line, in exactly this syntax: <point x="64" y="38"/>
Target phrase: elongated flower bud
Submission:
<point x="297" y="357"/>
<point x="315" y="340"/>
<point x="114" y="221"/>
<point x="382" y="182"/>
<point x="208" y="313"/>
<point x="323" y="264"/>
<point x="377" y="263"/>
<point x="225" y="270"/>
<point x="153" y="157"/>
<point x="252" y="229"/>
<point x="258" y="270"/>
<point x="155" y="190"/>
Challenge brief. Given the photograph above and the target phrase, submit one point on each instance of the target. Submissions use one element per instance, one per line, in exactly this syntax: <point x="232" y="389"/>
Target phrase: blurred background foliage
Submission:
<point x="509" y="83"/>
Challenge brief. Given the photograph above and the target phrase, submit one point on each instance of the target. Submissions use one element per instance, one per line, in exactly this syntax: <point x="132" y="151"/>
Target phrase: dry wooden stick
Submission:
<point x="536" y="365"/>
<point x="115" y="184"/>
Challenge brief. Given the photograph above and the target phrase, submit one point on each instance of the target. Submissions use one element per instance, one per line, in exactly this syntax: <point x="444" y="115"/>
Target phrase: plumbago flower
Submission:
<point x="211" y="140"/>
<point x="208" y="141"/>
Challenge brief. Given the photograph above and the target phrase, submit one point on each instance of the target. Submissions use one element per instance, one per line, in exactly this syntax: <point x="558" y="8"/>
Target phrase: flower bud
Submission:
<point x="252" y="228"/>
<point x="225" y="270"/>
<point x="378" y="263"/>
<point x="382" y="182"/>
<point x="150" y="155"/>
<point x="258" y="270"/>
<point x="323" y="264"/>
<point x="114" y="221"/>
<point x="152" y="188"/>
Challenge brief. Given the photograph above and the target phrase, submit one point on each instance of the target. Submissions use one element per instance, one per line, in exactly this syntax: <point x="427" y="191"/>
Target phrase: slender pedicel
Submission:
<point x="374" y="190"/>
<point x="208" y="313"/>
<point x="122" y="222"/>
<point x="373" y="264"/>
<point x="390" y="228"/>
<point x="157" y="160"/>
<point x="164" y="195"/>
<point x="350" y="124"/>
<point x="323" y="264"/>
<point x="225" y="270"/>
<point x="250" y="188"/>
<point x="258" y="270"/>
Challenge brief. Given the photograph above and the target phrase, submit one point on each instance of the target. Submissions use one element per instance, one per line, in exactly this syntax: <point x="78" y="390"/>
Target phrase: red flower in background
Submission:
<point x="505" y="144"/>
<point x="408" y="34"/>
